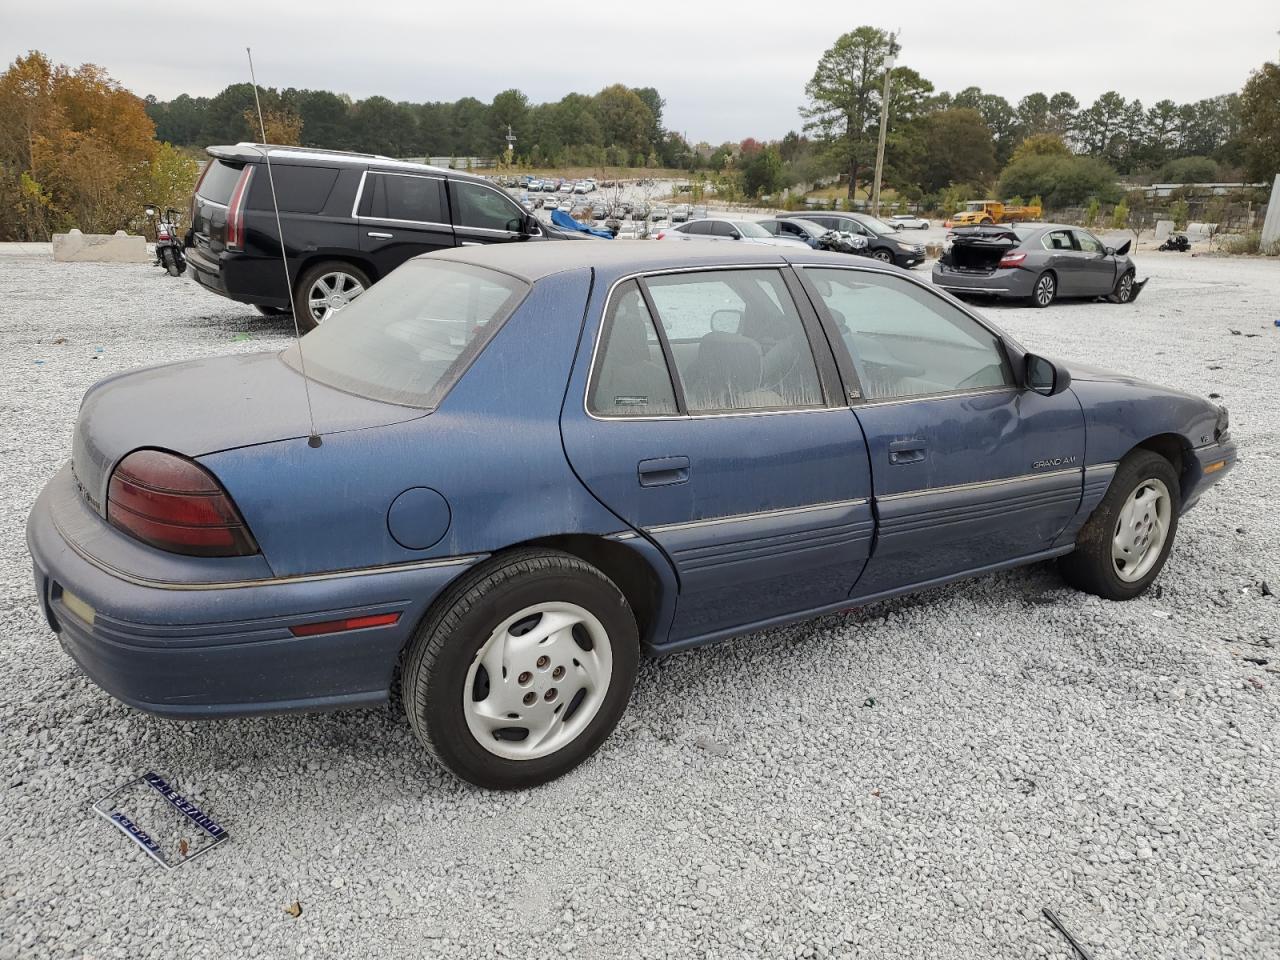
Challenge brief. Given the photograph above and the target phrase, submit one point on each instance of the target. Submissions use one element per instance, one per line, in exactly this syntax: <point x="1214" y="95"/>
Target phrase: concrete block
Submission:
<point x="1163" y="229"/>
<point x="1201" y="231"/>
<point x="118" y="247"/>
<point x="1271" y="225"/>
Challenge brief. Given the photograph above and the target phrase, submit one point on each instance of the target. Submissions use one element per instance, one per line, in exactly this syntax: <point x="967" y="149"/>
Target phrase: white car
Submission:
<point x="582" y="186"/>
<point x="908" y="221"/>
<point x="715" y="228"/>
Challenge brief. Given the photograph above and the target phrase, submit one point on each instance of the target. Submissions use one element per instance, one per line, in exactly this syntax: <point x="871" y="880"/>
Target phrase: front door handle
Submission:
<point x="381" y="236"/>
<point x="663" y="471"/>
<point x="906" y="451"/>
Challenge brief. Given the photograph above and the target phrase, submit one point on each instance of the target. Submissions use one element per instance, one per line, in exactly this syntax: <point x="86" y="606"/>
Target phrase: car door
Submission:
<point x="969" y="469"/>
<point x="711" y="426"/>
<point x="1062" y="258"/>
<point x="400" y="215"/>
<point x="483" y="214"/>
<point x="1096" y="268"/>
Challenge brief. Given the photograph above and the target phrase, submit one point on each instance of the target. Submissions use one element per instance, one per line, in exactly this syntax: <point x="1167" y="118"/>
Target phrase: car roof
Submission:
<point x="534" y="260"/>
<point x="257" y="152"/>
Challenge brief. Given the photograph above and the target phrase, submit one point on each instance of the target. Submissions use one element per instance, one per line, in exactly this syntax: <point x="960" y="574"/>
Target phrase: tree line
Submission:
<point x="618" y="126"/>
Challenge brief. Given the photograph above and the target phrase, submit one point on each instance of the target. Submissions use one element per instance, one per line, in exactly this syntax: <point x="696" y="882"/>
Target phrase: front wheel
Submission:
<point x="884" y="256"/>
<point x="1123" y="546"/>
<point x="1123" y="291"/>
<point x="522" y="669"/>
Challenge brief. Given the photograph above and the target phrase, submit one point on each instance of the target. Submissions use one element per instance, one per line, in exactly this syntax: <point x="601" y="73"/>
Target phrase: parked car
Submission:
<point x="535" y="185"/>
<point x="907" y="221"/>
<point x="660" y="212"/>
<point x="681" y="212"/>
<point x="582" y="187"/>
<point x="883" y="244"/>
<point x="1036" y="262"/>
<point x="814" y="235"/>
<point x="201" y="556"/>
<point x="716" y="228"/>
<point x="349" y="219"/>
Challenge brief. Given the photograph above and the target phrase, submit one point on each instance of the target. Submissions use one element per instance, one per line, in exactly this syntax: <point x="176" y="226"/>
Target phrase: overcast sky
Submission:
<point x="728" y="70"/>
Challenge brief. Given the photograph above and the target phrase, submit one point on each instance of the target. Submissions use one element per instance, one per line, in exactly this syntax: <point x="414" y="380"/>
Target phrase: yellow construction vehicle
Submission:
<point x="994" y="211"/>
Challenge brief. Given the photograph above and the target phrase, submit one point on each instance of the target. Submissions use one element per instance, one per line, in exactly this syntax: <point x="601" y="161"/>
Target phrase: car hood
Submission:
<point x="1084" y="371"/>
<point x="198" y="407"/>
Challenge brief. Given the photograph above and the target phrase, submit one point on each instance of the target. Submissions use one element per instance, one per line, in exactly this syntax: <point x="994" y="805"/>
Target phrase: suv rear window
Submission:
<point x="298" y="189"/>
<point x="410" y="337"/>
<point x="219" y="181"/>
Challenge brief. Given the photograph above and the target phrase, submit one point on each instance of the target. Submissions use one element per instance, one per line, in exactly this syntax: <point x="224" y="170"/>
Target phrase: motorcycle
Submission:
<point x="1177" y="242"/>
<point x="168" y="241"/>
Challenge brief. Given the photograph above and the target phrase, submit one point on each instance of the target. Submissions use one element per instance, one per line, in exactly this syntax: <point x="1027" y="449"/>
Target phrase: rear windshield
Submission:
<point x="409" y="338"/>
<point x="219" y="181"/>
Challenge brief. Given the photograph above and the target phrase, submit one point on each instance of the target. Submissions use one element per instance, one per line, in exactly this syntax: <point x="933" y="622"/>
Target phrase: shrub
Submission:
<point x="1178" y="213"/>
<point x="1061" y="181"/>
<point x="1120" y="216"/>
<point x="1091" y="212"/>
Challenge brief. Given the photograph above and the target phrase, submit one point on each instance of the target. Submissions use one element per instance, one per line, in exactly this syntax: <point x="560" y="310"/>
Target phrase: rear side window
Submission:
<point x="905" y="341"/>
<point x="391" y="196"/>
<point x="409" y="337"/>
<point x="219" y="181"/>
<point x="737" y="340"/>
<point x="631" y="377"/>
<point x="298" y="189"/>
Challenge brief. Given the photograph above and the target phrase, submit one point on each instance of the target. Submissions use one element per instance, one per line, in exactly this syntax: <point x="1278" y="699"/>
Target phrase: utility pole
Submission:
<point x="511" y="144"/>
<point x="884" y="123"/>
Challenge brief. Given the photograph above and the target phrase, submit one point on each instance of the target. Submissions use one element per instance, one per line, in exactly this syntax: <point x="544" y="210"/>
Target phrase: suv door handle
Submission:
<point x="381" y="236"/>
<point x="906" y="451"/>
<point x="663" y="471"/>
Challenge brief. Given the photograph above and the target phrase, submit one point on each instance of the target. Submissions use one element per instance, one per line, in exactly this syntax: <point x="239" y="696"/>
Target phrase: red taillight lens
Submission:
<point x="350" y="623"/>
<point x="175" y="504"/>
<point x="1012" y="259"/>
<point x="235" y="208"/>
<point x="661" y="234"/>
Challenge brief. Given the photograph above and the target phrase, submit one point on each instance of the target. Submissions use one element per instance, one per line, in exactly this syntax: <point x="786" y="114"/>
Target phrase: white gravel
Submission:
<point x="914" y="780"/>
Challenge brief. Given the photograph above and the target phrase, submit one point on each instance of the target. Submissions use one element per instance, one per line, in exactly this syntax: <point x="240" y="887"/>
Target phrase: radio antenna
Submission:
<point x="313" y="438"/>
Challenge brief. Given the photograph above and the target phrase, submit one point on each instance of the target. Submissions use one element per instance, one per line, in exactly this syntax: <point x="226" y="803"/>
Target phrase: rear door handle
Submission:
<point x="906" y="451"/>
<point x="381" y="236"/>
<point x="663" y="471"/>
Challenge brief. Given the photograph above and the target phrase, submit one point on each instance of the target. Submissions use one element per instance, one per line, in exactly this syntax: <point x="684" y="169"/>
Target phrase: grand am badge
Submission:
<point x="1055" y="462"/>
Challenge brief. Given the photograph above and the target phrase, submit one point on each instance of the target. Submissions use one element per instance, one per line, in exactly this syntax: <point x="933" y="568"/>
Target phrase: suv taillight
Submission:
<point x="1012" y="259"/>
<point x="175" y="504"/>
<point x="235" y="208"/>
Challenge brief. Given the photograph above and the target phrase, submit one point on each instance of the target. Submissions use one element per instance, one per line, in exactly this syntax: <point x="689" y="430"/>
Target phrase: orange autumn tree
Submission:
<point x="76" y="150"/>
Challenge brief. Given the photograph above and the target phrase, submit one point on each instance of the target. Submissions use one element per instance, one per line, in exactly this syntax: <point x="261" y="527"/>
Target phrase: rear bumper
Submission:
<point x="239" y="277"/>
<point x="1009" y="282"/>
<point x="200" y="649"/>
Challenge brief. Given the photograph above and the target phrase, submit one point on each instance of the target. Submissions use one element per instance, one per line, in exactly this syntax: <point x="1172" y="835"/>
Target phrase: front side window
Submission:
<point x="479" y="206"/>
<point x="737" y="340"/>
<point x="905" y="341"/>
<point x="389" y="196"/>
<point x="631" y="377"/>
<point x="409" y="337"/>
<point x="1088" y="242"/>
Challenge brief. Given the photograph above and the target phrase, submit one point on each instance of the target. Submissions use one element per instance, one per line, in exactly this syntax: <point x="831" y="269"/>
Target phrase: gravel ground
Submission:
<point x="915" y="779"/>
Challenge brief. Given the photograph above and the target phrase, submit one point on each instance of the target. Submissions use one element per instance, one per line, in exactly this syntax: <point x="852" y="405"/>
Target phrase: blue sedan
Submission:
<point x="507" y="472"/>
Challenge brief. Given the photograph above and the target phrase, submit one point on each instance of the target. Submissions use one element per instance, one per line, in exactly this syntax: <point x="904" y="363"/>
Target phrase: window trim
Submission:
<point x="355" y="207"/>
<point x="783" y="267"/>
<point x="844" y="360"/>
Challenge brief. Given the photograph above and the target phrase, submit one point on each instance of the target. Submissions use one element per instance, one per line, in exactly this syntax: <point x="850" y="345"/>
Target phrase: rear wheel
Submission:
<point x="1123" y="546"/>
<point x="522" y="669"/>
<point x="325" y="288"/>
<point x="170" y="261"/>
<point x="1045" y="290"/>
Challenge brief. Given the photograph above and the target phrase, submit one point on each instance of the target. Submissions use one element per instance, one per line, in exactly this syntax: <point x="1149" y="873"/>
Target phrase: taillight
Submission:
<point x="661" y="234"/>
<point x="235" y="208"/>
<point x="175" y="504"/>
<point x="1012" y="259"/>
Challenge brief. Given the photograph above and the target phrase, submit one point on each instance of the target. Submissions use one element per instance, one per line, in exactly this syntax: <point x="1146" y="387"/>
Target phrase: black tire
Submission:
<point x="1090" y="567"/>
<point x="884" y="256"/>
<point x="271" y="311"/>
<point x="987" y="220"/>
<point x="1122" y="292"/>
<point x="307" y="318"/>
<point x="170" y="261"/>
<point x="1045" y="289"/>
<point x="458" y="627"/>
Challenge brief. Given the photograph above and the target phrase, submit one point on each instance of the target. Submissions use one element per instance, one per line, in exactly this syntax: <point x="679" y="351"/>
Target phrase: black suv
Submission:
<point x="348" y="219"/>
<point x="883" y="242"/>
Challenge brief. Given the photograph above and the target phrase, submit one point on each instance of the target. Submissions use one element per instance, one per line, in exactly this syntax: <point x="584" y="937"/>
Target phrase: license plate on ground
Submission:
<point x="159" y="819"/>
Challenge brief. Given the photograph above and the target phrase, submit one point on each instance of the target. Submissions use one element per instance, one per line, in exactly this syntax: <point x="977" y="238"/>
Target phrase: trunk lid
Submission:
<point x="209" y="204"/>
<point x="979" y="249"/>
<point x="198" y="407"/>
